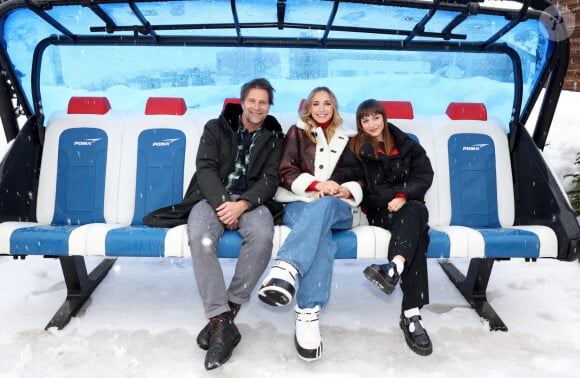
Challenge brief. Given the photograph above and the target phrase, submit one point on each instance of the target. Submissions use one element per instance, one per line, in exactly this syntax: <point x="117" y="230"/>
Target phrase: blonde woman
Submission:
<point x="315" y="206"/>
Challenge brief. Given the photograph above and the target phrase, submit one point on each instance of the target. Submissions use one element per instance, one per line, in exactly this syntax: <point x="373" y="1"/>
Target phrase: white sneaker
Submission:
<point x="307" y="336"/>
<point x="280" y="285"/>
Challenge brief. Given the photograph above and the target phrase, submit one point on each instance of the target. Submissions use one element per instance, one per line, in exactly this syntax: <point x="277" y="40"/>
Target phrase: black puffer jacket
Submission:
<point x="408" y="172"/>
<point x="216" y="156"/>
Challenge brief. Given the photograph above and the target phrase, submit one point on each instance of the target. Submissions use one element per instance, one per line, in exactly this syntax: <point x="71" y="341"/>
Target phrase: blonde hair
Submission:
<point x="306" y="115"/>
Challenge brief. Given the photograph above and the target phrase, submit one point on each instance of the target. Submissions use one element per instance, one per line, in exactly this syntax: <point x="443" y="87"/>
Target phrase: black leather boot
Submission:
<point x="204" y="335"/>
<point x="418" y="339"/>
<point x="377" y="274"/>
<point x="224" y="338"/>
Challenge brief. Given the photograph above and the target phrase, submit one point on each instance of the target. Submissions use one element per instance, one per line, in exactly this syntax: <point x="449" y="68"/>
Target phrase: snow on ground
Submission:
<point x="143" y="319"/>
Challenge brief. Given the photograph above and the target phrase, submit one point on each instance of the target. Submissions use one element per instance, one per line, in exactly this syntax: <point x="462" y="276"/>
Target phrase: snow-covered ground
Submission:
<point x="143" y="319"/>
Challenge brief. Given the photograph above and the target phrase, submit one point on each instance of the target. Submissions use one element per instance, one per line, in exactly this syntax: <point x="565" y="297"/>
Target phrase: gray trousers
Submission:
<point x="204" y="230"/>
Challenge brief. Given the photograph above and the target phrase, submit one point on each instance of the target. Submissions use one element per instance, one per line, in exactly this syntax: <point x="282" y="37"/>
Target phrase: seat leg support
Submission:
<point x="474" y="286"/>
<point x="79" y="284"/>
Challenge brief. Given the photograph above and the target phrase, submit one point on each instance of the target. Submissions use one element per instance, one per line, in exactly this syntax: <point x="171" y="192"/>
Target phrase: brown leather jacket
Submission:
<point x="303" y="162"/>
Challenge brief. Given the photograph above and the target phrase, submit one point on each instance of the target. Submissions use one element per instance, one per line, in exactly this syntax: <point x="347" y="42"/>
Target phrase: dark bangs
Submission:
<point x="369" y="108"/>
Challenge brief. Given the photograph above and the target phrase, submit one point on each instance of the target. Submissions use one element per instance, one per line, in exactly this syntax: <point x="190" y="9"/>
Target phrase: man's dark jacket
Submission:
<point x="216" y="155"/>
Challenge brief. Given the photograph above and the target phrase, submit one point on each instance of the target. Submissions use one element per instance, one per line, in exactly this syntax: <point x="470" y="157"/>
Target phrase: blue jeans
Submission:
<point x="309" y="246"/>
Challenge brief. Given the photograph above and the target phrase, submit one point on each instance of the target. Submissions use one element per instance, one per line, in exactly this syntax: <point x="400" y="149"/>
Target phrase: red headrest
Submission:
<point x="88" y="105"/>
<point x="165" y="105"/>
<point x="301" y="105"/>
<point x="467" y="110"/>
<point x="231" y="100"/>
<point x="398" y="109"/>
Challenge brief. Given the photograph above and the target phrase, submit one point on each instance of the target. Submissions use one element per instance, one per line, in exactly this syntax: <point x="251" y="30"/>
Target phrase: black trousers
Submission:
<point x="410" y="239"/>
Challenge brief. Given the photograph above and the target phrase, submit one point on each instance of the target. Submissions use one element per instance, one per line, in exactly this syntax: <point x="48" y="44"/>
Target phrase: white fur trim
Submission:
<point x="302" y="182"/>
<point x="328" y="154"/>
<point x="285" y="195"/>
<point x="356" y="191"/>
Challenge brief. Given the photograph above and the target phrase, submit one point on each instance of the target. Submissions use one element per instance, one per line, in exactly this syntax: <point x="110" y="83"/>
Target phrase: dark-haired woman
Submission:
<point x="397" y="174"/>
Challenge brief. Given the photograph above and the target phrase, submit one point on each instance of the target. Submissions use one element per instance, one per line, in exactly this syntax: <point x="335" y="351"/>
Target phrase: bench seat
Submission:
<point x="103" y="170"/>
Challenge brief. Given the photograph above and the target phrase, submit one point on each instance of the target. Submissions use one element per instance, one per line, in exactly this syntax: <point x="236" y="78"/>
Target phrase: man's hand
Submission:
<point x="232" y="227"/>
<point x="230" y="212"/>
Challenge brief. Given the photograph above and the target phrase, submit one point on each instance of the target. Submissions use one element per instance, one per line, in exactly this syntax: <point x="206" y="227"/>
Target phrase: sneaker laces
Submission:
<point x="283" y="270"/>
<point x="308" y="327"/>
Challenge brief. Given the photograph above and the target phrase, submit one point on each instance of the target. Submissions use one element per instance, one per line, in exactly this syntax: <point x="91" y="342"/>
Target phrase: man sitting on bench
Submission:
<point x="236" y="177"/>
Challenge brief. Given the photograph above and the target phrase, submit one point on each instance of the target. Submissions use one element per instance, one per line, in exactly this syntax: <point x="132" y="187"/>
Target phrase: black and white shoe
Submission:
<point x="380" y="277"/>
<point x="280" y="285"/>
<point x="307" y="337"/>
<point x="416" y="335"/>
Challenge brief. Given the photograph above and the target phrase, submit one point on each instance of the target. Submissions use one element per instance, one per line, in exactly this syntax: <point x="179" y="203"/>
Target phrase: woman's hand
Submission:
<point x="327" y="188"/>
<point x="396" y="203"/>
<point x="341" y="192"/>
